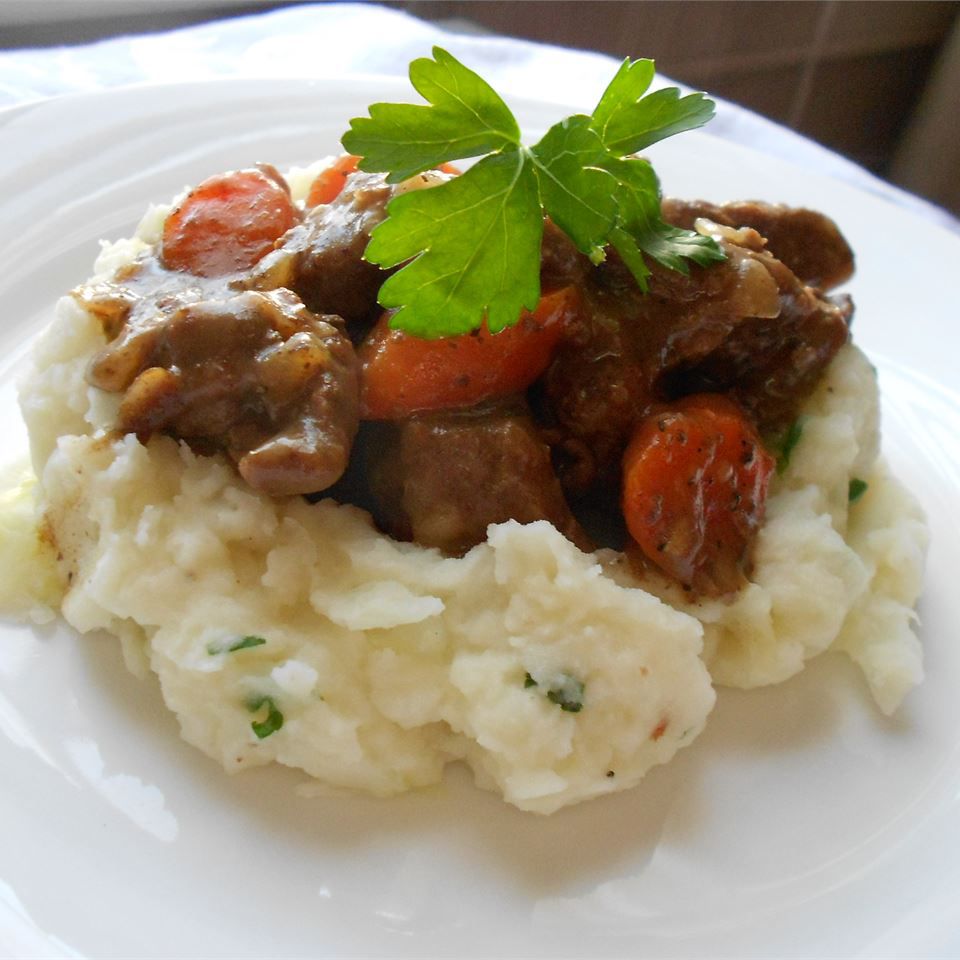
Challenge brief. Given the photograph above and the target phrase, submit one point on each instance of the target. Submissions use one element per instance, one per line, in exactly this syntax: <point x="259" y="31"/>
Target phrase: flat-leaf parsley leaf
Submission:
<point x="628" y="121"/>
<point x="470" y="247"/>
<point x="466" y="119"/>
<point x="451" y="283"/>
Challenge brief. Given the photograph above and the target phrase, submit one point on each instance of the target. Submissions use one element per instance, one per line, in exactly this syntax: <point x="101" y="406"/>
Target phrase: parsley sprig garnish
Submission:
<point x="471" y="246"/>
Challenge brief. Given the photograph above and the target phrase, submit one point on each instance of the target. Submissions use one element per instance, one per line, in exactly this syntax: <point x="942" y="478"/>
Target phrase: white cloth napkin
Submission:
<point x="340" y="39"/>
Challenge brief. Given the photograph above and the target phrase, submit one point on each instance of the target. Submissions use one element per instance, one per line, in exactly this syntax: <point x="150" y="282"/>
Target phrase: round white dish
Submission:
<point x="802" y="823"/>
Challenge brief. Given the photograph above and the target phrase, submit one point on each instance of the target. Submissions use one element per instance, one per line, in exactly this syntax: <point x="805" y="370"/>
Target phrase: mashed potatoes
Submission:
<point x="297" y="633"/>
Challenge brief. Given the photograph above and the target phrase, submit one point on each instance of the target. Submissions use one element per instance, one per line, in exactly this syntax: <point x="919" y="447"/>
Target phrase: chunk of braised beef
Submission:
<point x="561" y="264"/>
<point x="807" y="241"/>
<point x="769" y="364"/>
<point x="442" y="479"/>
<point x="612" y="367"/>
<point x="591" y="394"/>
<point x="321" y="258"/>
<point x="143" y="291"/>
<point x="254" y="374"/>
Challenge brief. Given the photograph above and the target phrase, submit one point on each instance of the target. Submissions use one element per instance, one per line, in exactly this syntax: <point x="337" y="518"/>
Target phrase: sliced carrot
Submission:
<point x="695" y="481"/>
<point x="329" y="182"/>
<point x="227" y="223"/>
<point x="402" y="374"/>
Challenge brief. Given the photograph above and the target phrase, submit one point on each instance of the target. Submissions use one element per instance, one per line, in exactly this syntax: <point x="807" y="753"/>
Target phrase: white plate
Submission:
<point x="801" y="823"/>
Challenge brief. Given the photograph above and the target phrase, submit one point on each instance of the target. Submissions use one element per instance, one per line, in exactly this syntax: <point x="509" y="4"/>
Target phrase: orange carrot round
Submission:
<point x="329" y="182"/>
<point x="695" y="480"/>
<point x="227" y="223"/>
<point x="402" y="374"/>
